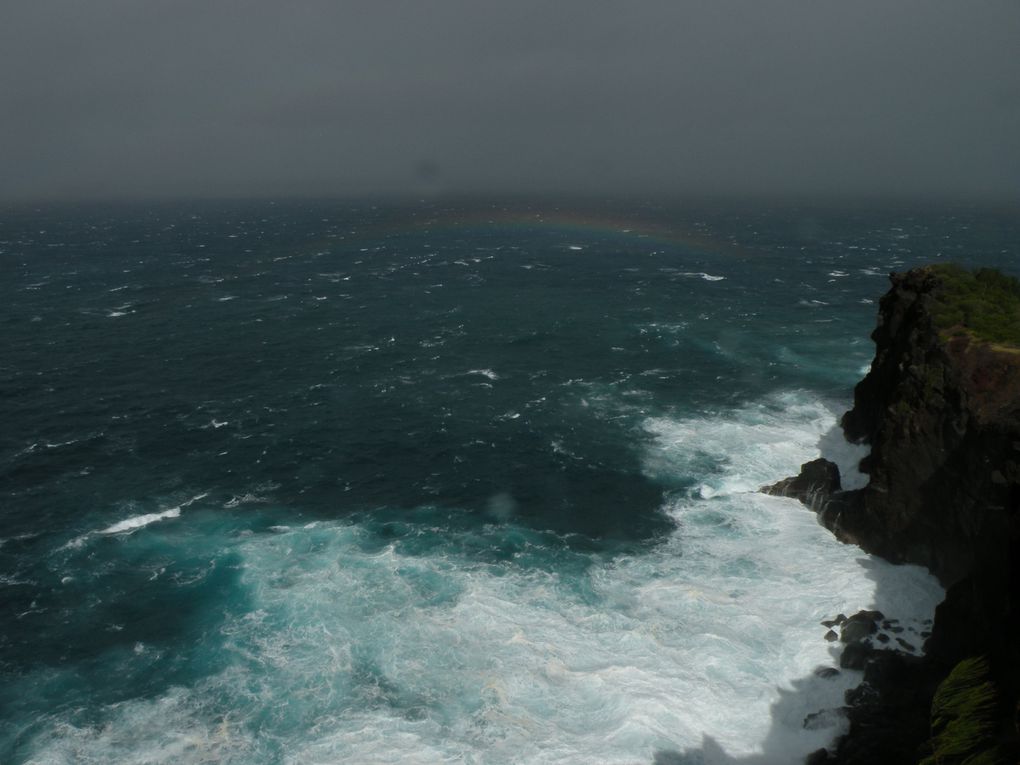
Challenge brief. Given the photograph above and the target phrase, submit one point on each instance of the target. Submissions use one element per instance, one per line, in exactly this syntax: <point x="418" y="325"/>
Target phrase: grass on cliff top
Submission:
<point x="984" y="302"/>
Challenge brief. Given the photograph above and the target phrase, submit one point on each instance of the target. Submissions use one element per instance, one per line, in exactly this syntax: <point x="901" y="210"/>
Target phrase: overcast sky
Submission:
<point x="259" y="98"/>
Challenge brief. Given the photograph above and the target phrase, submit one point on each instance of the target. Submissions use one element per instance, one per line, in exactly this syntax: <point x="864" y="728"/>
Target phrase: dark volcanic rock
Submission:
<point x="855" y="655"/>
<point x="854" y="631"/>
<point x="814" y="484"/>
<point x="941" y="415"/>
<point x="826" y="718"/>
<point x="888" y="712"/>
<point x="941" y="411"/>
<point x="859" y="626"/>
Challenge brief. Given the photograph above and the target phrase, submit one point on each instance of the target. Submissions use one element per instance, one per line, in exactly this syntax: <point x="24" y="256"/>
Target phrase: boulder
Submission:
<point x="859" y="626"/>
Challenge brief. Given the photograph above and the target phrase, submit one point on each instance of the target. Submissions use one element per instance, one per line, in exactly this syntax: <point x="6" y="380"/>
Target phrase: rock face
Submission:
<point x="815" y="484"/>
<point x="942" y="416"/>
<point x="941" y="411"/>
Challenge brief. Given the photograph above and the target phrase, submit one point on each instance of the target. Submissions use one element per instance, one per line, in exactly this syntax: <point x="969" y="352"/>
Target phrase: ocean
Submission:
<point x="429" y="482"/>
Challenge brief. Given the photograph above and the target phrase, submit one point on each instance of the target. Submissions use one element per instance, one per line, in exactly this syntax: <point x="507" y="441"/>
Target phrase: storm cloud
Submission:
<point x="228" y="98"/>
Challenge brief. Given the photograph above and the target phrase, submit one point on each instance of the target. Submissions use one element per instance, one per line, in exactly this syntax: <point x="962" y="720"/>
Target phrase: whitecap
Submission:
<point x="138" y="521"/>
<point x="58" y="444"/>
<point x="11" y="581"/>
<point x="244" y="499"/>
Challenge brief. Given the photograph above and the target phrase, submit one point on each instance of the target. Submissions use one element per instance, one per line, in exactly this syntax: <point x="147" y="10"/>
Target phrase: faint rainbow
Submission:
<point x="569" y="225"/>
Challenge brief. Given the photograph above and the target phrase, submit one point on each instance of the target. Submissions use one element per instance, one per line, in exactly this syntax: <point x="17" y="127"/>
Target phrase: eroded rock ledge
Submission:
<point x="941" y="410"/>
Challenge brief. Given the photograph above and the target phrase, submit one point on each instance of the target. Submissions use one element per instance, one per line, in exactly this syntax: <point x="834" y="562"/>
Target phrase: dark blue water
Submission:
<point x="323" y="482"/>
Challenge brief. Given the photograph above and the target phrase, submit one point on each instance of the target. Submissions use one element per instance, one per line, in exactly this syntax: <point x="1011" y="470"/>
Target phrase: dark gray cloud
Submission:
<point x="232" y="97"/>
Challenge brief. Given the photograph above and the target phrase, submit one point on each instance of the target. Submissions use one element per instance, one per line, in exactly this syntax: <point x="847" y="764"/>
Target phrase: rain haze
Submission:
<point x="434" y="381"/>
<point x="225" y="99"/>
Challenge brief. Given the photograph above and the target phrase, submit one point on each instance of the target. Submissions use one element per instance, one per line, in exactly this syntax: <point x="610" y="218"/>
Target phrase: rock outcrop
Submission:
<point x="817" y="481"/>
<point x="940" y="409"/>
<point x="942" y="415"/>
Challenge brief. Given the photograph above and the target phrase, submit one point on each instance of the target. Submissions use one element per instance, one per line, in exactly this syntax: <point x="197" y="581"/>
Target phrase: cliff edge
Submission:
<point x="940" y="408"/>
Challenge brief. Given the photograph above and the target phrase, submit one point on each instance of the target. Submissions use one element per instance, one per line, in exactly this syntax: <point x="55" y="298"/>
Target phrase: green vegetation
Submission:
<point x="963" y="718"/>
<point x="985" y="303"/>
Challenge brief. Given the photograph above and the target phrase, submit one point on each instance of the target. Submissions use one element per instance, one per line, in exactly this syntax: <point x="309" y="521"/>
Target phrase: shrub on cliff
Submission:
<point x="963" y="718"/>
<point x="984" y="302"/>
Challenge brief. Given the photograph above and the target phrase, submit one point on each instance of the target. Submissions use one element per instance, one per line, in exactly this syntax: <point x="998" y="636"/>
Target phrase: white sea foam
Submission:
<point x="139" y="521"/>
<point x="245" y="499"/>
<point x="756" y="444"/>
<point x="58" y="444"/>
<point x="397" y="658"/>
<point x="702" y="275"/>
<point x="352" y="652"/>
<point x="484" y="373"/>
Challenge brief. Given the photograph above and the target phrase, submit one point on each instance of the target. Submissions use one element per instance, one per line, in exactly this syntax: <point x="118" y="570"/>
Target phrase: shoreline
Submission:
<point x="941" y="412"/>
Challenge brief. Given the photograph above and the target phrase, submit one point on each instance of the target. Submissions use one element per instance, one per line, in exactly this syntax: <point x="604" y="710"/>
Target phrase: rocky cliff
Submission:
<point x="940" y="409"/>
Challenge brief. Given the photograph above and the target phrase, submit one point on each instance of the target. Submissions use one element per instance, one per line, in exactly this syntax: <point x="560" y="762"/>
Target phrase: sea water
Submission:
<point x="432" y="482"/>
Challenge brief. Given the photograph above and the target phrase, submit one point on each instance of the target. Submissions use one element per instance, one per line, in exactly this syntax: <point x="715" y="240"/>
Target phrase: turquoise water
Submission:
<point x="323" y="482"/>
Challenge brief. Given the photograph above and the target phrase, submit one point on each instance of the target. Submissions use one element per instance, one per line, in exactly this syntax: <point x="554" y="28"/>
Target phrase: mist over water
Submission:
<point x="427" y="483"/>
